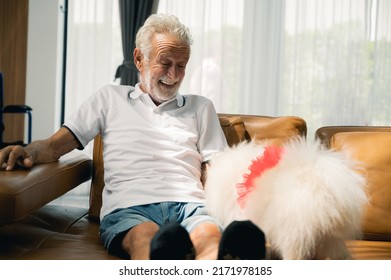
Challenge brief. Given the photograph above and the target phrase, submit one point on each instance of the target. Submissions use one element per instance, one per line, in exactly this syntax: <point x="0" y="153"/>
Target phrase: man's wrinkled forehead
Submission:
<point x="168" y="45"/>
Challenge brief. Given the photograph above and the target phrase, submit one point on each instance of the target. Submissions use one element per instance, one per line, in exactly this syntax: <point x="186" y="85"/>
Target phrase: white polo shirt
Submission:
<point x="151" y="153"/>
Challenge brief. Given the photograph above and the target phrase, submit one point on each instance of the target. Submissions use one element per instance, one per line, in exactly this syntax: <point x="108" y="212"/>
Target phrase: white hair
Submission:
<point x="161" y="24"/>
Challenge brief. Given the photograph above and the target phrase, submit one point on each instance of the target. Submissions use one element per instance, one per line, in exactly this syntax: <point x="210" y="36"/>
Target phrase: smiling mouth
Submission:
<point x="168" y="82"/>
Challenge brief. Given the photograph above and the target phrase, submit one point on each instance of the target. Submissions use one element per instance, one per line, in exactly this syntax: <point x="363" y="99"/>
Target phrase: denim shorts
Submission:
<point x="116" y="224"/>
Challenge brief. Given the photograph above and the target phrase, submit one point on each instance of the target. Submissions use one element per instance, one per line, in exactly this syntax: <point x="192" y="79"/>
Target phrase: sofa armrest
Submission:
<point x="24" y="191"/>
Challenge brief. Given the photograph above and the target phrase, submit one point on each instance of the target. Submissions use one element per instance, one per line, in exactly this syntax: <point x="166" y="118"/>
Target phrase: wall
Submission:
<point x="44" y="65"/>
<point x="13" y="45"/>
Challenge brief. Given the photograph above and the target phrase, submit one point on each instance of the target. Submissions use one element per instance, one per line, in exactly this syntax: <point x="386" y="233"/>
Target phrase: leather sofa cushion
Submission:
<point x="372" y="149"/>
<point x="53" y="232"/>
<point x="24" y="191"/>
<point x="369" y="250"/>
<point x="236" y="128"/>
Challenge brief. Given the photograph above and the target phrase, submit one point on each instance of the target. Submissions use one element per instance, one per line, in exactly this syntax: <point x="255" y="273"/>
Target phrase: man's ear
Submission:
<point x="138" y="58"/>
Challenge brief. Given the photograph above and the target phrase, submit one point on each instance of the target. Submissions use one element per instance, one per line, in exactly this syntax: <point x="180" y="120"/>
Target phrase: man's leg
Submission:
<point x="137" y="240"/>
<point x="206" y="238"/>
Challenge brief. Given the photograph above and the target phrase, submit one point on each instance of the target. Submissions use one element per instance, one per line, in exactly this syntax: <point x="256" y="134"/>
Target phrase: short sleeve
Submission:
<point x="88" y="120"/>
<point x="212" y="139"/>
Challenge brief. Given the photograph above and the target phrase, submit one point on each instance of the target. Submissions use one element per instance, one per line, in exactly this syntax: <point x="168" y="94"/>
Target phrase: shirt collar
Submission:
<point x="136" y="92"/>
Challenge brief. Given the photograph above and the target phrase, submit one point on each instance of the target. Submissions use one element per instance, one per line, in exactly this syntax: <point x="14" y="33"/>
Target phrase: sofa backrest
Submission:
<point x="370" y="146"/>
<point x="236" y="128"/>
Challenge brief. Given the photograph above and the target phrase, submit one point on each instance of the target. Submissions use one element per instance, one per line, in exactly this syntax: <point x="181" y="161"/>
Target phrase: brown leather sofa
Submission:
<point x="370" y="146"/>
<point x="32" y="229"/>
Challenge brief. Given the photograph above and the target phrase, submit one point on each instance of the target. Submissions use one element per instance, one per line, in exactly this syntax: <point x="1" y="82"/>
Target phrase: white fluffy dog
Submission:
<point x="306" y="199"/>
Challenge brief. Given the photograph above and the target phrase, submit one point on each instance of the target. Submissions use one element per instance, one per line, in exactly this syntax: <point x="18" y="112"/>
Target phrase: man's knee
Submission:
<point x="206" y="230"/>
<point x="137" y="240"/>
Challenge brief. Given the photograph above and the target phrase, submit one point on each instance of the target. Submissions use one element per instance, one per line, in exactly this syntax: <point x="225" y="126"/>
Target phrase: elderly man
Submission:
<point x="156" y="142"/>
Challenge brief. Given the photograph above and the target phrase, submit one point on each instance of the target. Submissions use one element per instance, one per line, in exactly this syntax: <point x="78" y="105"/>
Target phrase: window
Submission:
<point x="94" y="53"/>
<point x="325" y="61"/>
<point x="328" y="62"/>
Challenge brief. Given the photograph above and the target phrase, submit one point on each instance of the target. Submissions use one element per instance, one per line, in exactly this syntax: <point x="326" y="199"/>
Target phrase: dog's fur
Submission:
<point x="307" y="205"/>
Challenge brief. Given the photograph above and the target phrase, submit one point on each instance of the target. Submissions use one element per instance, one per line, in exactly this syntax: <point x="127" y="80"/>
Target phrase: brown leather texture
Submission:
<point x="24" y="191"/>
<point x="53" y="233"/>
<point x="325" y="133"/>
<point x="97" y="180"/>
<point x="369" y="250"/>
<point x="258" y="128"/>
<point x="372" y="150"/>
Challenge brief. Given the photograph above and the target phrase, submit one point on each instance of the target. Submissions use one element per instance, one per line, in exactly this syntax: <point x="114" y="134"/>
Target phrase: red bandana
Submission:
<point x="271" y="156"/>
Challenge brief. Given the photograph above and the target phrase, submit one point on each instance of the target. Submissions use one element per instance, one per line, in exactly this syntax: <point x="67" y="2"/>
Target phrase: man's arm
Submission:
<point x="204" y="172"/>
<point x="40" y="151"/>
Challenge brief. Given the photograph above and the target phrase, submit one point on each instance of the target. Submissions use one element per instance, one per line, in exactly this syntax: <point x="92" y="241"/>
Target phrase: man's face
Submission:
<point x="163" y="72"/>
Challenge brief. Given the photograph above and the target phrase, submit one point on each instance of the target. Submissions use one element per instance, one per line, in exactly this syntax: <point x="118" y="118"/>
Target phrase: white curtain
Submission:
<point x="327" y="61"/>
<point x="94" y="51"/>
<point x="215" y="62"/>
<point x="336" y="55"/>
<point x="94" y="48"/>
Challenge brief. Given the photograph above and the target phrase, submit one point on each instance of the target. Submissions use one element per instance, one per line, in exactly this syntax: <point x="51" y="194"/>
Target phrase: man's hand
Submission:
<point x="12" y="155"/>
<point x="39" y="151"/>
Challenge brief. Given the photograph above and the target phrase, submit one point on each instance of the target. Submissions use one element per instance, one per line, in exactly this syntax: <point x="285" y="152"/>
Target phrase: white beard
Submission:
<point x="157" y="94"/>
